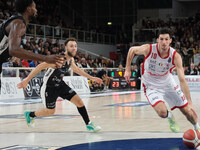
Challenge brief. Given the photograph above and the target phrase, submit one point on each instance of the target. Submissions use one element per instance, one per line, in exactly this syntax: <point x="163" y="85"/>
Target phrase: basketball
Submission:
<point x="191" y="138"/>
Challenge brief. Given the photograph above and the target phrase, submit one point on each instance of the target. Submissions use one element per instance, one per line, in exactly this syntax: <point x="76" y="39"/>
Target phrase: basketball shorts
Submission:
<point x="170" y="93"/>
<point x="50" y="94"/>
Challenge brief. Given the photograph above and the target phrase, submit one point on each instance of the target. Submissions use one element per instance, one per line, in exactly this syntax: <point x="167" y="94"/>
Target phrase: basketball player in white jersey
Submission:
<point x="53" y="86"/>
<point x="158" y="83"/>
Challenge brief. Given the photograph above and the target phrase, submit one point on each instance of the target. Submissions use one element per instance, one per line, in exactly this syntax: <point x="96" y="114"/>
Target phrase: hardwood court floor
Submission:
<point x="122" y="115"/>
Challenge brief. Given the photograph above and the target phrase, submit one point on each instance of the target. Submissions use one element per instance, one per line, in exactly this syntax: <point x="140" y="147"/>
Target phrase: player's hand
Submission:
<point x="55" y="59"/>
<point x="98" y="80"/>
<point x="127" y="75"/>
<point x="22" y="84"/>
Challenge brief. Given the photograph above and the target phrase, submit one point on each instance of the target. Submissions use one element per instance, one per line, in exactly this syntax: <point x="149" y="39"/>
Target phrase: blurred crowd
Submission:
<point x="185" y="36"/>
<point x="186" y="40"/>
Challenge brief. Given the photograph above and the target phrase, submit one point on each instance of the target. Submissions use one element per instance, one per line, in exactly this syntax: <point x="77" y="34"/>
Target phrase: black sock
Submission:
<point x="32" y="114"/>
<point x="167" y="114"/>
<point x="84" y="114"/>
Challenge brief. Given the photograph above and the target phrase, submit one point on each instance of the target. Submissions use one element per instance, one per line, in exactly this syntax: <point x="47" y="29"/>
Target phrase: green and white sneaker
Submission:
<point x="199" y="129"/>
<point x="29" y="120"/>
<point x="92" y="127"/>
<point x="173" y="125"/>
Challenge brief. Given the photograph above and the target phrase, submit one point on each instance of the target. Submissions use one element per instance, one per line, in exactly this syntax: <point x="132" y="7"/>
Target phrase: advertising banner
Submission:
<point x="77" y="83"/>
<point x="33" y="88"/>
<point x="9" y="88"/>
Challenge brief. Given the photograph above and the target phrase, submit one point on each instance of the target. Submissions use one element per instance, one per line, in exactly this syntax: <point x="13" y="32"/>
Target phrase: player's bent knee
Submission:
<point x="162" y="113"/>
<point x="80" y="103"/>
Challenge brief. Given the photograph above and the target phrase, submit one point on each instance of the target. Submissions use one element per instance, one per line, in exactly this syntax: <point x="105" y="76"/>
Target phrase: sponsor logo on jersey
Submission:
<point x="169" y="60"/>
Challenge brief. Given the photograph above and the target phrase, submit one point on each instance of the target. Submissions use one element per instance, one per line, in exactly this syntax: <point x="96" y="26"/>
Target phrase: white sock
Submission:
<point x="196" y="126"/>
<point x="169" y="116"/>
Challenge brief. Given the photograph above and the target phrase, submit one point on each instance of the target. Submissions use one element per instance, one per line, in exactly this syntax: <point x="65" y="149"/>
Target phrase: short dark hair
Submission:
<point x="21" y="5"/>
<point x="165" y="31"/>
<point x="70" y="39"/>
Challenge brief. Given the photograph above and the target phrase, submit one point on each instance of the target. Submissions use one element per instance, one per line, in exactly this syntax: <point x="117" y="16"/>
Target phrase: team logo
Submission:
<point x="169" y="60"/>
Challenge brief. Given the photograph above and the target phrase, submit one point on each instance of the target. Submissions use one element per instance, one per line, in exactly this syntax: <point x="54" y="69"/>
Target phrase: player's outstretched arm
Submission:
<point x="84" y="74"/>
<point x="139" y="50"/>
<point x="16" y="30"/>
<point x="34" y="72"/>
<point x="181" y="76"/>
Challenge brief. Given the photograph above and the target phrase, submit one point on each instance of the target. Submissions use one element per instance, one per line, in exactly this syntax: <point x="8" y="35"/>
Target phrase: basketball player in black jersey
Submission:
<point x="53" y="86"/>
<point x="13" y="30"/>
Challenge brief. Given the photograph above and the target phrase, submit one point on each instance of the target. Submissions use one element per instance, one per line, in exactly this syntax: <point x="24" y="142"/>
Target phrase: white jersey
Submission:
<point x="156" y="70"/>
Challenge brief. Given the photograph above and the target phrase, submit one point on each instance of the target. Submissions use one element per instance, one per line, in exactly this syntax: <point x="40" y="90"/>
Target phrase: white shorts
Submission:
<point x="171" y="93"/>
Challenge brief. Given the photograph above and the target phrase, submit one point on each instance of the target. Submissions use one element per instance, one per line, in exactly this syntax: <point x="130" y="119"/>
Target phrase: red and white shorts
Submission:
<point x="170" y="93"/>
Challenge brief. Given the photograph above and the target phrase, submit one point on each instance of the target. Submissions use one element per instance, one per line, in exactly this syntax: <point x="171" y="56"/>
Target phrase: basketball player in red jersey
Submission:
<point x="158" y="83"/>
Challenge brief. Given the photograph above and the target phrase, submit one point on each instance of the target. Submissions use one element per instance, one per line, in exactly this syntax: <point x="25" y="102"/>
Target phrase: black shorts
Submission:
<point x="50" y="94"/>
<point x="4" y="58"/>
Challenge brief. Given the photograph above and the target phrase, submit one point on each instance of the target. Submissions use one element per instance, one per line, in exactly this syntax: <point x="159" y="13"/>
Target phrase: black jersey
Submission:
<point x="4" y="53"/>
<point x="53" y="77"/>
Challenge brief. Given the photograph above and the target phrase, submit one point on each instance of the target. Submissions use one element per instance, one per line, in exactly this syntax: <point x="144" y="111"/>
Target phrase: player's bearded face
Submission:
<point x="71" y="48"/>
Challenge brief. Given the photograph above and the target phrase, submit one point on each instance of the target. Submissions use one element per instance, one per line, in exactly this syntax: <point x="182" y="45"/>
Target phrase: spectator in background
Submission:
<point x="27" y="46"/>
<point x="192" y="69"/>
<point x="78" y="63"/>
<point x="56" y="44"/>
<point x="25" y="63"/>
<point x="46" y="51"/>
<point x="53" y="50"/>
<point x="185" y="57"/>
<point x="106" y="76"/>
<point x="96" y="63"/>
<point x="94" y="86"/>
<point x="16" y="62"/>
<point x="33" y="64"/>
<point x="198" y="69"/>
<point x="120" y="68"/>
<point x="100" y="58"/>
<point x="110" y="63"/>
<point x="91" y="64"/>
<point x="196" y="50"/>
<point x="84" y="63"/>
<point x="186" y="70"/>
<point x="36" y="49"/>
<point x="89" y="57"/>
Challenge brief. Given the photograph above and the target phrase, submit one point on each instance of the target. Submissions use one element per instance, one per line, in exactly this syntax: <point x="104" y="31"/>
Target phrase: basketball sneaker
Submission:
<point x="199" y="129"/>
<point x="29" y="120"/>
<point x="173" y="125"/>
<point x="92" y="127"/>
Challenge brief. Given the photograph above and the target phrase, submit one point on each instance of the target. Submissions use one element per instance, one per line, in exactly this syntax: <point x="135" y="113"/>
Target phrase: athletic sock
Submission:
<point x="169" y="114"/>
<point x="32" y="114"/>
<point x="196" y="126"/>
<point x="84" y="114"/>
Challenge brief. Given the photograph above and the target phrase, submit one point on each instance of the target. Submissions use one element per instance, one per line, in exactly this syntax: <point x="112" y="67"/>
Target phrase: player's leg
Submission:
<point x="162" y="111"/>
<point x="191" y="116"/>
<point x="83" y="112"/>
<point x="155" y="98"/>
<point x="68" y="93"/>
<point x="176" y="99"/>
<point x="49" y="96"/>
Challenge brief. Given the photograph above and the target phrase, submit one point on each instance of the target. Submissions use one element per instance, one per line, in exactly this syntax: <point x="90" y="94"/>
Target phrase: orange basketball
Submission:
<point x="191" y="138"/>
